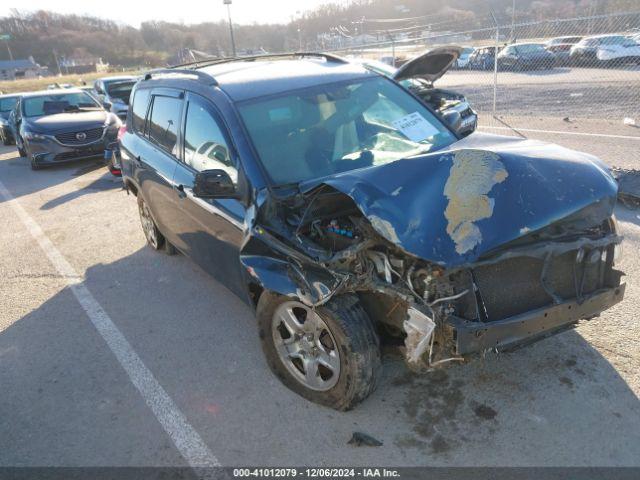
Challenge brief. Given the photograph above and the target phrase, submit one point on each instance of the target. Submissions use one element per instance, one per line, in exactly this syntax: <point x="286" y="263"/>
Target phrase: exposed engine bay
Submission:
<point x="431" y="309"/>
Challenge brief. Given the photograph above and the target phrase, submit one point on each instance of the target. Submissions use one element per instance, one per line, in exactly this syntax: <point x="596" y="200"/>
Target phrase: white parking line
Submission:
<point x="628" y="137"/>
<point x="183" y="435"/>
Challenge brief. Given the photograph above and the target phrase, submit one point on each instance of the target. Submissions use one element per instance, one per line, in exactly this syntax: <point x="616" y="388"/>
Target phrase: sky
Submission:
<point x="134" y="12"/>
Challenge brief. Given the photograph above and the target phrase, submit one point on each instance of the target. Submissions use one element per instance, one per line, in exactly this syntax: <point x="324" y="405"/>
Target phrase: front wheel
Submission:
<point x="329" y="355"/>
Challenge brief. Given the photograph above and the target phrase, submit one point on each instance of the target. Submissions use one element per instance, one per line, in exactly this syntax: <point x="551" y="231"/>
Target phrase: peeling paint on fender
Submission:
<point x="472" y="176"/>
<point x="384" y="228"/>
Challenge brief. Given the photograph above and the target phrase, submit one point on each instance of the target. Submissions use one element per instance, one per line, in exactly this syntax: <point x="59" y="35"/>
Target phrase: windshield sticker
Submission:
<point x="415" y="127"/>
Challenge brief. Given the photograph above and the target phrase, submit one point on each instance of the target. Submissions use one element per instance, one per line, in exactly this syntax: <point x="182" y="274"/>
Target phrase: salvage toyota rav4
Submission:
<point x="347" y="213"/>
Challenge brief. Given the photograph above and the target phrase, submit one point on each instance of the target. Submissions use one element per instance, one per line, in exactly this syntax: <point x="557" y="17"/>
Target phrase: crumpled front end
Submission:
<point x="451" y="253"/>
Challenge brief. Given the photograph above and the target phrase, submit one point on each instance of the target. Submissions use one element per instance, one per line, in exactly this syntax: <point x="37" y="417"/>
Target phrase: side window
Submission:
<point x="205" y="146"/>
<point x="139" y="110"/>
<point x="164" y="122"/>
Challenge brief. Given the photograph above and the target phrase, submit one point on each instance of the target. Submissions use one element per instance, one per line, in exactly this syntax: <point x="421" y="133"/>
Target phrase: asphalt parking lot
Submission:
<point x="69" y="397"/>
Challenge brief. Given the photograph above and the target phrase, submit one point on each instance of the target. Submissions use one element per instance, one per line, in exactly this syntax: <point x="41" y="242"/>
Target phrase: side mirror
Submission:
<point x="214" y="184"/>
<point x="107" y="105"/>
<point x="453" y="119"/>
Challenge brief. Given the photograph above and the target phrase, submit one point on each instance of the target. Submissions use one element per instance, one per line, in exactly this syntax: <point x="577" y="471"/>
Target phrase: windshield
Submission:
<point x="339" y="127"/>
<point x="121" y="91"/>
<point x="7" y="104"/>
<point x="58" y="103"/>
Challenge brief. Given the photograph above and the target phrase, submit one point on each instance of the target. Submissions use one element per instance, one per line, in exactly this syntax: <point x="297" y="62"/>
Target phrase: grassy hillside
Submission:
<point x="33" y="84"/>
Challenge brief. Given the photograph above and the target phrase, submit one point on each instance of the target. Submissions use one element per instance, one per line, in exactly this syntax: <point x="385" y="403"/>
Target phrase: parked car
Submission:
<point x="343" y="210"/>
<point x="482" y="59"/>
<point x="463" y="59"/>
<point x="585" y="52"/>
<point x="58" y="126"/>
<point x="91" y="91"/>
<point x="420" y="73"/>
<point x="525" y="56"/>
<point x="618" y="54"/>
<point x="7" y="104"/>
<point x="114" y="93"/>
<point x="560" y="47"/>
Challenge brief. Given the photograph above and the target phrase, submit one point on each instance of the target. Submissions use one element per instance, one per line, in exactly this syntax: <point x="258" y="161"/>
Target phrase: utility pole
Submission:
<point x="513" y="21"/>
<point x="233" y="41"/>
<point x="55" y="55"/>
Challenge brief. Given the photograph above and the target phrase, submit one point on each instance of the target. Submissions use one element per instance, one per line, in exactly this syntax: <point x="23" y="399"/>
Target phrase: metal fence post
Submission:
<point x="495" y="71"/>
<point x="393" y="49"/>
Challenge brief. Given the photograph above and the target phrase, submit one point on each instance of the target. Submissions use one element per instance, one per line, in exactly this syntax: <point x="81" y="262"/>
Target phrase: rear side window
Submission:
<point x="139" y="110"/>
<point x="164" y="122"/>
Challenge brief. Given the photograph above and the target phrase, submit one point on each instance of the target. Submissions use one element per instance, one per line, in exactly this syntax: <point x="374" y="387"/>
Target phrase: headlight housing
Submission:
<point x="33" y="136"/>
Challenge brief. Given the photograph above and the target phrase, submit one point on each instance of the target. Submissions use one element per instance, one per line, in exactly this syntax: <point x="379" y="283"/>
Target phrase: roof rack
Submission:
<point x="201" y="76"/>
<point x="217" y="61"/>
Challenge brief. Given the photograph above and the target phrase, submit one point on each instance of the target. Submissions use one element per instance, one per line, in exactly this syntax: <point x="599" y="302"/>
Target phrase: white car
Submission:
<point x="627" y="51"/>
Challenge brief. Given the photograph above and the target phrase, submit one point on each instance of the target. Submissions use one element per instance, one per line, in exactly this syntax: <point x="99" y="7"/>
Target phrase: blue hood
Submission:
<point x="452" y="207"/>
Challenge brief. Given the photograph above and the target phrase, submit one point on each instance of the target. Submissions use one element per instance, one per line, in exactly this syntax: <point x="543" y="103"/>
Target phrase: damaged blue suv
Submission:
<point x="344" y="210"/>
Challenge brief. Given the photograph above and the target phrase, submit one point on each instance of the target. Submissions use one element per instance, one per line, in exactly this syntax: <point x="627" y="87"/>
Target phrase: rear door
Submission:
<point x="210" y="231"/>
<point x="156" y="157"/>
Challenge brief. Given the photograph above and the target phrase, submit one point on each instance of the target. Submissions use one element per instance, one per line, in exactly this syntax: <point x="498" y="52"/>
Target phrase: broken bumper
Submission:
<point x="472" y="337"/>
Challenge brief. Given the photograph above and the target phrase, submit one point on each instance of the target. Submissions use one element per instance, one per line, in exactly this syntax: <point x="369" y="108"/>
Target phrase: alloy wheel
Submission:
<point x="148" y="226"/>
<point x="306" y="346"/>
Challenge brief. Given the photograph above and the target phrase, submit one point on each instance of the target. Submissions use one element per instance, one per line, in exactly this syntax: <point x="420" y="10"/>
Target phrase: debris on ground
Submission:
<point x="628" y="186"/>
<point x="359" y="439"/>
<point x="566" y="119"/>
<point x="629" y="121"/>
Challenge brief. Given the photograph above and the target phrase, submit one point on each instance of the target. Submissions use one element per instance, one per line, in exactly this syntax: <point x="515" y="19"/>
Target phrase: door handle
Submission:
<point x="180" y="191"/>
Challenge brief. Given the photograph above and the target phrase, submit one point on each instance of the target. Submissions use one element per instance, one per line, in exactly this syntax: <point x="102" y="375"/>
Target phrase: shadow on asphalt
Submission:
<point x="104" y="183"/>
<point x="626" y="214"/>
<point x="34" y="181"/>
<point x="557" y="402"/>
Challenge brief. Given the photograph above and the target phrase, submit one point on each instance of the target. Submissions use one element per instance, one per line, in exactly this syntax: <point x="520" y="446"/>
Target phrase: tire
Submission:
<point x="169" y="249"/>
<point x="34" y="165"/>
<point x="155" y="239"/>
<point x="345" y="335"/>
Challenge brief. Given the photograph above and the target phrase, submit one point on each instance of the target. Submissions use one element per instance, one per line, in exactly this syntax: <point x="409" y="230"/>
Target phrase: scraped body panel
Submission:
<point x="451" y="207"/>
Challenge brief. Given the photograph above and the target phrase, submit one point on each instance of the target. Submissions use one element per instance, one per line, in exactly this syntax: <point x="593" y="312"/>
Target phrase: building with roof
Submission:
<point x="81" y="64"/>
<point x="24" y="68"/>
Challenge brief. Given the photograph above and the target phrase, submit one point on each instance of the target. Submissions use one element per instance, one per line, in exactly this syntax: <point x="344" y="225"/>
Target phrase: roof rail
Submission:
<point x="217" y="61"/>
<point x="327" y="56"/>
<point x="201" y="76"/>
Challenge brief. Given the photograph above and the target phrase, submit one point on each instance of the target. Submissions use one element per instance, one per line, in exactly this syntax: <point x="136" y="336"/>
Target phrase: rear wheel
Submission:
<point x="155" y="239"/>
<point x="329" y="355"/>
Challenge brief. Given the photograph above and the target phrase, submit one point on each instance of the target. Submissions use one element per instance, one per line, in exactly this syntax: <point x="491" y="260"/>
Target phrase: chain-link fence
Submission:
<point x="573" y="81"/>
